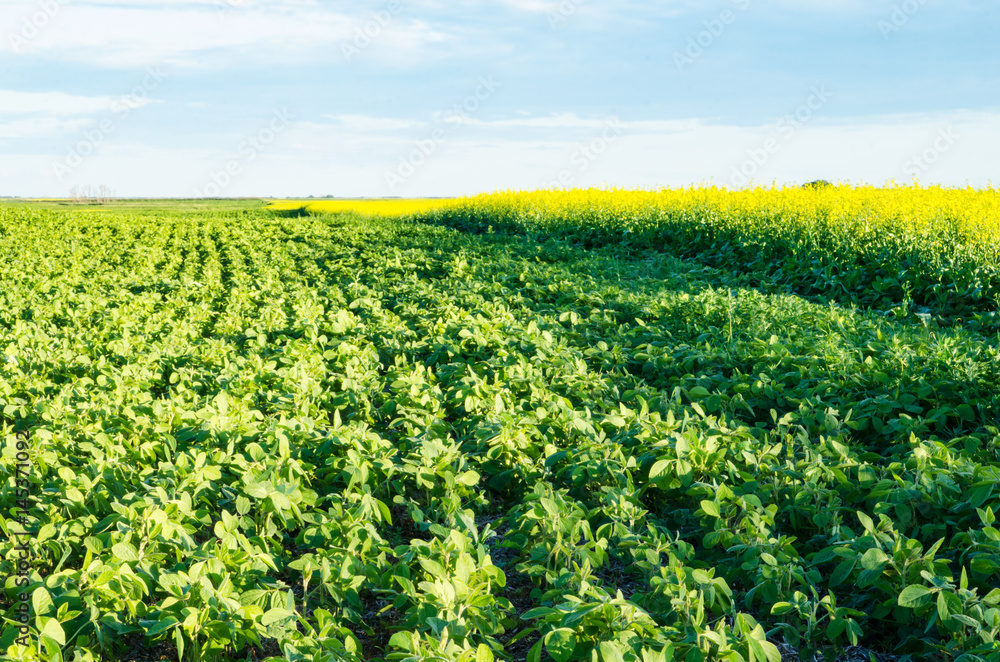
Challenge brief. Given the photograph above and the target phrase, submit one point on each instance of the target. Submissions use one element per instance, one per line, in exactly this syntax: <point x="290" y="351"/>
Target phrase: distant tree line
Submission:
<point x="88" y="194"/>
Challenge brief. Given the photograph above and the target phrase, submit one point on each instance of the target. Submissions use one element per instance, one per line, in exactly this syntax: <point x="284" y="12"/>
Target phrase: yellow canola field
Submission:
<point x="376" y="207"/>
<point x="910" y="209"/>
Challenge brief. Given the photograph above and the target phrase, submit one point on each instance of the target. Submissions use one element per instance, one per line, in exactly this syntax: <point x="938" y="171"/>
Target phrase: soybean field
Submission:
<point x="607" y="426"/>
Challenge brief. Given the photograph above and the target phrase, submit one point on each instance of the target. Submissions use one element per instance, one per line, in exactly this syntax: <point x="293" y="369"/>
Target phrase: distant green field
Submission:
<point x="137" y="205"/>
<point x="496" y="431"/>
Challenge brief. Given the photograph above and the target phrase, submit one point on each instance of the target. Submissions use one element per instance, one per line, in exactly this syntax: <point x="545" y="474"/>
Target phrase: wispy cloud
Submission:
<point x="573" y="121"/>
<point x="121" y="35"/>
<point x="364" y="123"/>
<point x="39" y="126"/>
<point x="53" y="103"/>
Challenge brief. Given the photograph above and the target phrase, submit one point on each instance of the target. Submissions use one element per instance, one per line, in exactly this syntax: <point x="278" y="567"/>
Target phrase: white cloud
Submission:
<point x="118" y="34"/>
<point x="333" y="158"/>
<point x="364" y="123"/>
<point x="574" y="121"/>
<point x="828" y="6"/>
<point x="39" y="126"/>
<point x="50" y="103"/>
<point x="531" y="6"/>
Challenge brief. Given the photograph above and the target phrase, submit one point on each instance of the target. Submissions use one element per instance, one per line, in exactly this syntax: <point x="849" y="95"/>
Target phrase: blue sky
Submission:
<point x="426" y="97"/>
